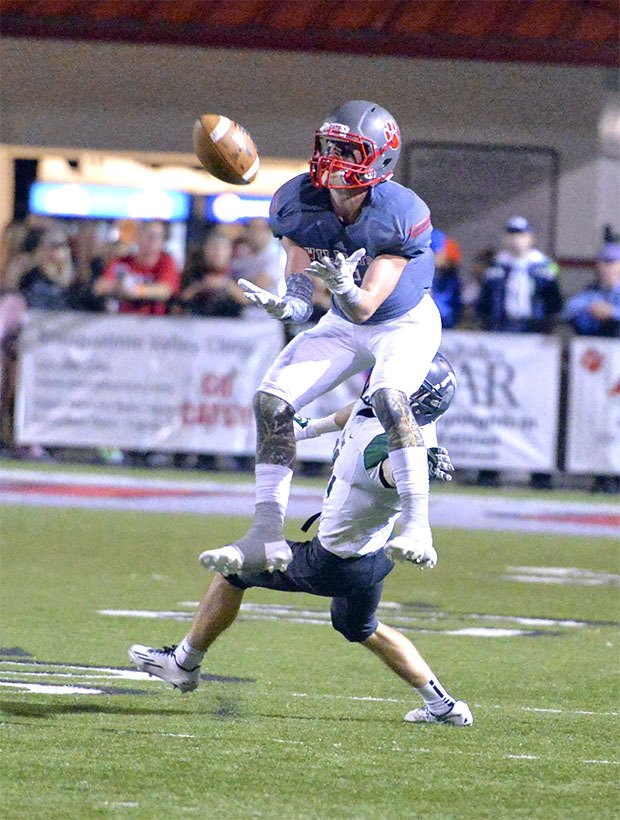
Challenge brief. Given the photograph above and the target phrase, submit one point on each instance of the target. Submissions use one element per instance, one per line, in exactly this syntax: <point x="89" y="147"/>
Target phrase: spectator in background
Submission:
<point x="263" y="265"/>
<point x="92" y="255"/>
<point x="520" y="294"/>
<point x="446" y="290"/>
<point x="454" y="254"/>
<point x="596" y="312"/>
<point x="241" y="249"/>
<point x="143" y="282"/>
<point x="14" y="260"/>
<point x="50" y="283"/>
<point x="208" y="288"/>
<point x="47" y="281"/>
<point x="12" y="312"/>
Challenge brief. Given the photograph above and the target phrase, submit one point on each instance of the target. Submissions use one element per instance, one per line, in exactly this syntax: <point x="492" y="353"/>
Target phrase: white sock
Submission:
<point x="273" y="483"/>
<point x="435" y="697"/>
<point x="410" y="471"/>
<point x="186" y="656"/>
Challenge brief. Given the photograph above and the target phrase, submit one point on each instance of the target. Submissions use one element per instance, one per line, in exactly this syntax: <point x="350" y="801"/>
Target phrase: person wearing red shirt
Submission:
<point x="143" y="282"/>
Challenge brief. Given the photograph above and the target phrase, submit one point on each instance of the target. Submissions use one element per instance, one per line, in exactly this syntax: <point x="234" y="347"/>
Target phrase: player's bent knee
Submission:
<point x="353" y="629"/>
<point x="267" y="405"/>
<point x="388" y="404"/>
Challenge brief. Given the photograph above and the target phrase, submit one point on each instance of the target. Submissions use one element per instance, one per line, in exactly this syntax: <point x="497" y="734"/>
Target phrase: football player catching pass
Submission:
<point x="368" y="239"/>
<point x="346" y="561"/>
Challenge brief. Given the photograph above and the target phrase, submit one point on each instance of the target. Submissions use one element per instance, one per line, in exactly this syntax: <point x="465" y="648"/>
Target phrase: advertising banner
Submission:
<point x="593" y="427"/>
<point x="505" y="412"/>
<point x="186" y="385"/>
<point x="144" y="383"/>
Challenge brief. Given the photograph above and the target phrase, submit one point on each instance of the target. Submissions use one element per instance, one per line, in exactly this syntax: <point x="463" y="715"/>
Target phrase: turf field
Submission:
<point x="292" y="721"/>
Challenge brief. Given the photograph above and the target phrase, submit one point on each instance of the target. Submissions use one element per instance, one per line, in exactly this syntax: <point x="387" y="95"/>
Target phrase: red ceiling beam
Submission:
<point x="501" y="48"/>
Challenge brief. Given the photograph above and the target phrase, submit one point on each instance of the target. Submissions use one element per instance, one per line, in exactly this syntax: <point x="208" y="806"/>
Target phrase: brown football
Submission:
<point x="225" y="149"/>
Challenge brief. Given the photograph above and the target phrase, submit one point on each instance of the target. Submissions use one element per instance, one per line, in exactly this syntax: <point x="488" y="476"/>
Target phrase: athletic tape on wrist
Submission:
<point x="325" y="425"/>
<point x="350" y="299"/>
<point x="299" y="290"/>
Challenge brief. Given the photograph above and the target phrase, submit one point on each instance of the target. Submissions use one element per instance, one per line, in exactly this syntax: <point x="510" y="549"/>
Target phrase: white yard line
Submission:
<point x="475" y="705"/>
<point x="435" y="621"/>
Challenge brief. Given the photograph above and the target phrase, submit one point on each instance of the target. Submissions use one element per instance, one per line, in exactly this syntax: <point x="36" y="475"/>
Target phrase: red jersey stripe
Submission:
<point x="420" y="227"/>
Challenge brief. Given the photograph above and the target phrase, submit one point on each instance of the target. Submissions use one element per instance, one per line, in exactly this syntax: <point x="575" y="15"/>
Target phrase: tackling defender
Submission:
<point x="347" y="560"/>
<point x="368" y="239"/>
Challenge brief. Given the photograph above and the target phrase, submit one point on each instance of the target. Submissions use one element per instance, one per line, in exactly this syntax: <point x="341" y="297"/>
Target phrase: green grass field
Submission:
<point x="309" y="726"/>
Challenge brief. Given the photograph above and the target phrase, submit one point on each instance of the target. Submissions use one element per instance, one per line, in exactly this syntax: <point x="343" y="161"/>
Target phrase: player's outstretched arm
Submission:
<point x="297" y="304"/>
<point x="313" y="428"/>
<point x="276" y="306"/>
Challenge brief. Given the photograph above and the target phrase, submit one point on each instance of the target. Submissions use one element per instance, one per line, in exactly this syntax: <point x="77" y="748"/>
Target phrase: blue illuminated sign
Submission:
<point x="229" y="207"/>
<point x="107" y="202"/>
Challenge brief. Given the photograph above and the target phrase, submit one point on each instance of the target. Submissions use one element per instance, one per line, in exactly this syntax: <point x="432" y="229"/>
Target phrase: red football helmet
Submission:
<point x="358" y="146"/>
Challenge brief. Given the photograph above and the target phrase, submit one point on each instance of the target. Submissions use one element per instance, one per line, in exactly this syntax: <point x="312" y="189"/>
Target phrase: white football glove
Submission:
<point x="439" y="464"/>
<point x="337" y="275"/>
<point x="276" y="306"/>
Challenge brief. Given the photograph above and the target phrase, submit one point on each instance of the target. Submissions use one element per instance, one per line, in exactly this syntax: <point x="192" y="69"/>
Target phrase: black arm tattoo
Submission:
<point x="275" y="437"/>
<point x="392" y="409"/>
<point x="299" y="290"/>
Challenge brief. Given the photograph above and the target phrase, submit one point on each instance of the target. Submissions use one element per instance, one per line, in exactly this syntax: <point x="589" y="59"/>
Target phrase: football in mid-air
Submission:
<point x="225" y="149"/>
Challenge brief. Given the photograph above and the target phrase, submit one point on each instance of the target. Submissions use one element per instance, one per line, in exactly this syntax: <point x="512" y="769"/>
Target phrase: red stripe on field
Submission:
<point x="102" y="491"/>
<point x="91" y="491"/>
<point x="598" y="519"/>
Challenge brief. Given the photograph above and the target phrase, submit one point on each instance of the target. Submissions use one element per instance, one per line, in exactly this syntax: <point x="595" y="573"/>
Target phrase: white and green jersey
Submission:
<point x="361" y="505"/>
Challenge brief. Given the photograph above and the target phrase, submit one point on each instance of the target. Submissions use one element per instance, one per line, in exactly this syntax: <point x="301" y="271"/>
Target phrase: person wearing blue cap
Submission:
<point x="595" y="311"/>
<point x="518" y="224"/>
<point x="520" y="294"/>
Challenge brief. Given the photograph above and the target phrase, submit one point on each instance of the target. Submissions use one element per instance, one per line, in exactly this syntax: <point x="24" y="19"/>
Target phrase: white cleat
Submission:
<point x="406" y="548"/>
<point x="162" y="664"/>
<point x="230" y="560"/>
<point x="226" y="560"/>
<point x="278" y="556"/>
<point x="459" y="715"/>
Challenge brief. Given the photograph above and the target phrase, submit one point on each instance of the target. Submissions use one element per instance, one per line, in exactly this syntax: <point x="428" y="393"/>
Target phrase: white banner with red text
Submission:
<point x="143" y="383"/>
<point x="593" y="431"/>
<point x="151" y="383"/>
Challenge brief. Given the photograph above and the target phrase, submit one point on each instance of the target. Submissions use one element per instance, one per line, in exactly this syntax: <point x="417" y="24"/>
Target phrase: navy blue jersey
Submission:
<point x="393" y="220"/>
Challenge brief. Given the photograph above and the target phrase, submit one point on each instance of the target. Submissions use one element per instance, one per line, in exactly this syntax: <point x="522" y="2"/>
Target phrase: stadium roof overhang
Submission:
<point x="572" y="32"/>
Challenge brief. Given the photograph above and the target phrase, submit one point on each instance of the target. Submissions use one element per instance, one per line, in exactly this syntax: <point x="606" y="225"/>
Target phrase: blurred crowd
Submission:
<point x="511" y="287"/>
